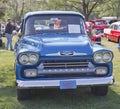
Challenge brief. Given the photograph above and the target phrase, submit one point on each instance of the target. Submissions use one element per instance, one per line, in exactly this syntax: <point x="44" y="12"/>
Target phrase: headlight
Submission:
<point x="107" y="57"/>
<point x="28" y="58"/>
<point x="33" y="58"/>
<point x="98" y="57"/>
<point x="23" y="59"/>
<point x="103" y="57"/>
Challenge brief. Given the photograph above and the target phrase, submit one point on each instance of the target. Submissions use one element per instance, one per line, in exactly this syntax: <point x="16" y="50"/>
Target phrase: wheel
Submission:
<point x="119" y="44"/>
<point x="99" y="90"/>
<point x="108" y="38"/>
<point x="119" y="40"/>
<point x="23" y="94"/>
<point x="0" y="43"/>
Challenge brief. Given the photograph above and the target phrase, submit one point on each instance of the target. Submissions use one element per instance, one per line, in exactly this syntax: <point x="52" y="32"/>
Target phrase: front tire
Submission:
<point x="119" y="40"/>
<point x="108" y="38"/>
<point x="99" y="90"/>
<point x="0" y="43"/>
<point x="23" y="94"/>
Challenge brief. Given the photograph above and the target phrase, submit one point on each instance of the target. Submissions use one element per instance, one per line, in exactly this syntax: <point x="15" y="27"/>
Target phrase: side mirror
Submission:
<point x="19" y="34"/>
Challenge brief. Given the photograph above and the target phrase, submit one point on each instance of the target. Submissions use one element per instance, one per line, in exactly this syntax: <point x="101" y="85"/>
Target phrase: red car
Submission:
<point x="96" y="39"/>
<point x="88" y="26"/>
<point x="94" y="34"/>
<point x="113" y="32"/>
<point x="99" y="24"/>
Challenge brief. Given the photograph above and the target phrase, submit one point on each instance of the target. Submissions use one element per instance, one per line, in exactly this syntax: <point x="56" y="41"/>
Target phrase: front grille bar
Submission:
<point x="67" y="71"/>
<point x="54" y="65"/>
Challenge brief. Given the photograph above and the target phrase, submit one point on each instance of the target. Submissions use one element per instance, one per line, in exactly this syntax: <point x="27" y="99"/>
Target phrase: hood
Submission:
<point x="57" y="44"/>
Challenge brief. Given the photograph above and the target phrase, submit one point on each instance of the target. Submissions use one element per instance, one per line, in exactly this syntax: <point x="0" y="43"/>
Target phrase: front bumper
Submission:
<point x="56" y="83"/>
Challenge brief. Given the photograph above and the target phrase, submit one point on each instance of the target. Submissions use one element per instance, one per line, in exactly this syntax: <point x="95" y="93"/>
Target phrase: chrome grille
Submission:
<point x="64" y="64"/>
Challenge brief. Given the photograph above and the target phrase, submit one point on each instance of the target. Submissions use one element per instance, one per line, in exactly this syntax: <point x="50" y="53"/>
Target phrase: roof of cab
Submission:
<point x="52" y="12"/>
<point x="117" y="23"/>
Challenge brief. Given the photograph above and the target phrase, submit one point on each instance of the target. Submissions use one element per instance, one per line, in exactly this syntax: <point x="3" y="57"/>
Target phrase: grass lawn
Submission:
<point x="55" y="99"/>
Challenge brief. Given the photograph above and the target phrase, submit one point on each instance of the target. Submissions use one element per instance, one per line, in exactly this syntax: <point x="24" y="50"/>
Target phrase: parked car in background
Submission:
<point x="96" y="39"/>
<point x="99" y="24"/>
<point x="2" y="32"/>
<point x="89" y="26"/>
<point x="94" y="34"/>
<point x="54" y="51"/>
<point x="110" y="19"/>
<point x="113" y="32"/>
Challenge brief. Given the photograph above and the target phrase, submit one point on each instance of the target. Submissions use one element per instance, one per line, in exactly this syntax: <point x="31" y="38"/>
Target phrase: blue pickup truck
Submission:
<point x="54" y="51"/>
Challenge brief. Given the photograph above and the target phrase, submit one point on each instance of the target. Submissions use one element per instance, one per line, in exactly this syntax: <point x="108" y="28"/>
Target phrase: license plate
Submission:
<point x="68" y="84"/>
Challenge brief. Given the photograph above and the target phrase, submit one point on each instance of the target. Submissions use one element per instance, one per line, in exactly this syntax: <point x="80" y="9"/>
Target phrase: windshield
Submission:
<point x="39" y="24"/>
<point x="101" y="23"/>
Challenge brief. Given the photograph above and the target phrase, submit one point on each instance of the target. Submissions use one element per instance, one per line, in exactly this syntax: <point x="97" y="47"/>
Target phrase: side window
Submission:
<point x="115" y="27"/>
<point x="112" y="26"/>
<point x="118" y="27"/>
<point x="82" y="26"/>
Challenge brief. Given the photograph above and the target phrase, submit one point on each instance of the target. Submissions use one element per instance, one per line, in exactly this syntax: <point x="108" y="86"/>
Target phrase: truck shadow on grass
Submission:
<point x="56" y="99"/>
<point x="71" y="99"/>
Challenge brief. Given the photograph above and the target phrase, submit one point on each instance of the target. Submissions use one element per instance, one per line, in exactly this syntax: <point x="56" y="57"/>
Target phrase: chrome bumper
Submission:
<point x="56" y="83"/>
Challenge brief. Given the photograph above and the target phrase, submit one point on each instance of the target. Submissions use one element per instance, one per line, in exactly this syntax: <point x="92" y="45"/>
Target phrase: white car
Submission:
<point x="113" y="32"/>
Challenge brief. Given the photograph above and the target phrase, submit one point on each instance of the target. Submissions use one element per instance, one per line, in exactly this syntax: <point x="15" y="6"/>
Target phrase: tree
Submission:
<point x="86" y="7"/>
<point x="17" y="8"/>
<point x="110" y="8"/>
<point x="2" y="8"/>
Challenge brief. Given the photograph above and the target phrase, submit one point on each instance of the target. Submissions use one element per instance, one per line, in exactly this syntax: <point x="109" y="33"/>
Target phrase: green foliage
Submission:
<point x="84" y="6"/>
<point x="90" y="8"/>
<point x="2" y="9"/>
<point x="109" y="8"/>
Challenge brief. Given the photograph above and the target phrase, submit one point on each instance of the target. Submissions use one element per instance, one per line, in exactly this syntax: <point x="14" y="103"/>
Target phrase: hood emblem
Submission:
<point x="66" y="53"/>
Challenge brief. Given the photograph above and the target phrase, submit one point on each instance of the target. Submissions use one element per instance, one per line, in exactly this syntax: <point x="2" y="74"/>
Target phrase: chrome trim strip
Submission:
<point x="59" y="54"/>
<point x="56" y="83"/>
<point x="67" y="71"/>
